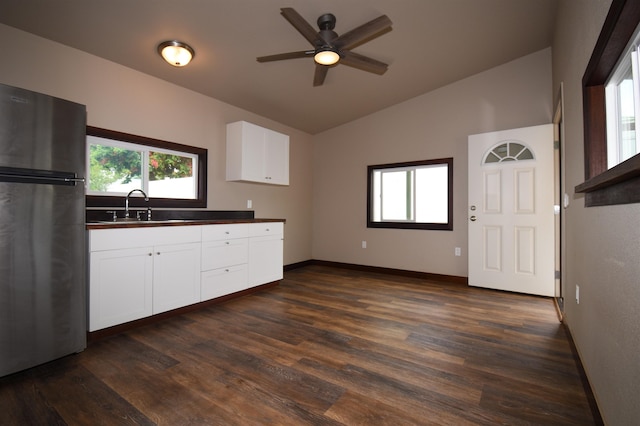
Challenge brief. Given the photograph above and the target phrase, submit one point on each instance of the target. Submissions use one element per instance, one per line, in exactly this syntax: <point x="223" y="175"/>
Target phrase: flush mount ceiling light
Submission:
<point x="326" y="56"/>
<point x="176" y="52"/>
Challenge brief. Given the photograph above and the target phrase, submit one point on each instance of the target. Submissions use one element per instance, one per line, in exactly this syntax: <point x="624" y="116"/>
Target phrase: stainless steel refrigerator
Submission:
<point x="42" y="229"/>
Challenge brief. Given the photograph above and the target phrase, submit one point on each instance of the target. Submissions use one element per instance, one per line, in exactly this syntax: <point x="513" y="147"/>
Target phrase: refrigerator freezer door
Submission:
<point x="41" y="132"/>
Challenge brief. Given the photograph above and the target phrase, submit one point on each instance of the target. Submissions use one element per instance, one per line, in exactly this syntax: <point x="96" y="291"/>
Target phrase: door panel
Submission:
<point x="493" y="248"/>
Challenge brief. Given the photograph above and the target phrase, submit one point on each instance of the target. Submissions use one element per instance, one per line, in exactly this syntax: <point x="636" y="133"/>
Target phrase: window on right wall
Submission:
<point x="611" y="106"/>
<point x="622" y="106"/>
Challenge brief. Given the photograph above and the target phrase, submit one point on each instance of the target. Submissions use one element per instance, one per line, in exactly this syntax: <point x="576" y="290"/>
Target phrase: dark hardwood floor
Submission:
<point x="327" y="346"/>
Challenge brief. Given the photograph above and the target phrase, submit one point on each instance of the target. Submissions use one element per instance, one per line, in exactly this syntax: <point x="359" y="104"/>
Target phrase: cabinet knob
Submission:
<point x="226" y="232"/>
<point x="158" y="253"/>
<point x="150" y="254"/>
<point x="227" y="242"/>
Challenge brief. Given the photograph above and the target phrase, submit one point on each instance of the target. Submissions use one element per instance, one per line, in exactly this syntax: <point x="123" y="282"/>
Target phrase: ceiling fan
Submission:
<point x="329" y="48"/>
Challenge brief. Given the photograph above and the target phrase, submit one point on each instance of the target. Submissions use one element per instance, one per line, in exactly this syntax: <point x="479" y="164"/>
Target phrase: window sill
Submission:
<point x="618" y="185"/>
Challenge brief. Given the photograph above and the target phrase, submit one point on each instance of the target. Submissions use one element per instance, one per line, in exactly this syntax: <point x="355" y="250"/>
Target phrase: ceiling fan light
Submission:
<point x="176" y="53"/>
<point x="326" y="56"/>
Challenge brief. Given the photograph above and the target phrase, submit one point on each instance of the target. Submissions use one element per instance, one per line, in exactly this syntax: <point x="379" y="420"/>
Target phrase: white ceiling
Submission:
<point x="432" y="43"/>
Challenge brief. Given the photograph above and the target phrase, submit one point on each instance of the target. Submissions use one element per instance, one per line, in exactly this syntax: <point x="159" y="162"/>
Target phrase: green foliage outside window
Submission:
<point x="109" y="164"/>
<point x="163" y="166"/>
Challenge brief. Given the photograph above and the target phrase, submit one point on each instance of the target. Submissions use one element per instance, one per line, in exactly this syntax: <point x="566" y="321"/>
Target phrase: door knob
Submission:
<point x="473" y="218"/>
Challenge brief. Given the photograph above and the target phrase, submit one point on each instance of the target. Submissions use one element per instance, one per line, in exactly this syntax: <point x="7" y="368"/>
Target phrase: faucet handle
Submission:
<point x="114" y="213"/>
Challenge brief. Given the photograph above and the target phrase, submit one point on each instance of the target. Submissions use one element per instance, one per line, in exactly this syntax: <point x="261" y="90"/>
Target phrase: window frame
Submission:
<point x="621" y="183"/>
<point x="448" y="226"/>
<point x="118" y="200"/>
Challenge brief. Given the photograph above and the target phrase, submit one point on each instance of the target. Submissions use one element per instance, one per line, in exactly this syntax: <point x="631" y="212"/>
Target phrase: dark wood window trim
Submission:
<point x="412" y="225"/>
<point x="620" y="184"/>
<point x="115" y="201"/>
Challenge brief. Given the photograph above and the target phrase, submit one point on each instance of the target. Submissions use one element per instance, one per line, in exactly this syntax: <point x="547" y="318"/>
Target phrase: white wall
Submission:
<point x="603" y="243"/>
<point x="121" y="99"/>
<point x="434" y="125"/>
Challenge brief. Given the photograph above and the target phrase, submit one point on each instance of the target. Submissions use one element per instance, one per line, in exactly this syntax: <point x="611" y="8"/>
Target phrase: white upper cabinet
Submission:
<point x="256" y="154"/>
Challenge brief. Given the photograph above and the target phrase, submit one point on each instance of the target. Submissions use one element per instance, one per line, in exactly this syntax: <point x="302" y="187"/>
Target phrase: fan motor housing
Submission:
<point x="327" y="21"/>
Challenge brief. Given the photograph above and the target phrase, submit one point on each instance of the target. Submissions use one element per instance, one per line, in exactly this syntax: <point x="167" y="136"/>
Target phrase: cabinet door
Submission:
<point x="276" y="158"/>
<point x="265" y="259"/>
<point x="176" y="276"/>
<point x="121" y="286"/>
<point x="253" y="167"/>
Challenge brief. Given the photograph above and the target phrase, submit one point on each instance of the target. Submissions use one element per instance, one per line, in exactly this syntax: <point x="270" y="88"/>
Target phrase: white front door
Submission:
<point x="511" y="210"/>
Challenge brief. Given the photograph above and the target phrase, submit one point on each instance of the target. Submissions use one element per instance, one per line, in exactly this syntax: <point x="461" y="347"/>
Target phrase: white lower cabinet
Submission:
<point x="135" y="273"/>
<point x="120" y="286"/>
<point x="265" y="252"/>
<point x="176" y="276"/>
<point x="138" y="272"/>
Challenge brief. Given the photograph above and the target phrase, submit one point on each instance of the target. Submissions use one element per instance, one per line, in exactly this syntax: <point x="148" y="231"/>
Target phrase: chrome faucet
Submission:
<point x="126" y="201"/>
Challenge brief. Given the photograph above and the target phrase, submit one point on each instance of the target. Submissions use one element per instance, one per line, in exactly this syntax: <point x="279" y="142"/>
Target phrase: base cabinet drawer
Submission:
<point x="219" y="254"/>
<point x="223" y="281"/>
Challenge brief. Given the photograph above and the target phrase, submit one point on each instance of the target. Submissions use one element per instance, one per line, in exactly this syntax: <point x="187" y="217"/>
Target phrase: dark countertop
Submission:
<point x="174" y="222"/>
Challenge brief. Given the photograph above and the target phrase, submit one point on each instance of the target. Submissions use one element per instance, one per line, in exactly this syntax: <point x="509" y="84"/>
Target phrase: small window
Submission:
<point x="508" y="151"/>
<point x="413" y="195"/>
<point x="172" y="175"/>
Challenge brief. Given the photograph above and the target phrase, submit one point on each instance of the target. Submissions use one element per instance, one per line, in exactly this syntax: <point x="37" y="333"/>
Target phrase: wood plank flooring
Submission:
<point x="328" y="346"/>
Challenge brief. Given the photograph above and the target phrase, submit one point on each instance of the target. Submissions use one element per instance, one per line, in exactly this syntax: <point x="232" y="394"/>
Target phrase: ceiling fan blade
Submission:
<point x="363" y="63"/>
<point x="320" y="74"/>
<point x="300" y="24"/>
<point x="283" y="56"/>
<point x="364" y="32"/>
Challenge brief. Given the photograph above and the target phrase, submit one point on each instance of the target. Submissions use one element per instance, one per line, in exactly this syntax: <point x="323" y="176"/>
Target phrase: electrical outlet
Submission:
<point x="364" y="244"/>
<point x="458" y="251"/>
<point x="577" y="295"/>
<point x="249" y="204"/>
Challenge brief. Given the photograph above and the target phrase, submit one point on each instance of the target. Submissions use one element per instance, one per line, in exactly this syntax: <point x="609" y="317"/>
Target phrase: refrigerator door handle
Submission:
<point x="17" y="175"/>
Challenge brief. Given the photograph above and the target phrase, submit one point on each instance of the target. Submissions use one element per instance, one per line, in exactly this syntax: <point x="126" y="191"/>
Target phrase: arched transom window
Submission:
<point x="508" y="151"/>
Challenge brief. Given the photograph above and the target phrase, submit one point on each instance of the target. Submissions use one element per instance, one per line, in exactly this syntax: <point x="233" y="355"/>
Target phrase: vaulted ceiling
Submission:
<point x="432" y="43"/>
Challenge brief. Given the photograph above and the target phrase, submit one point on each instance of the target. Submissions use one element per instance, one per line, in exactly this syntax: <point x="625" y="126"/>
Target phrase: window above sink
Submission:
<point x="173" y="175"/>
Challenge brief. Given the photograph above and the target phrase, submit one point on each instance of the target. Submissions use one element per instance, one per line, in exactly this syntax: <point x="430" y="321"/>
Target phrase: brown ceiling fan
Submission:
<point x="329" y="48"/>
